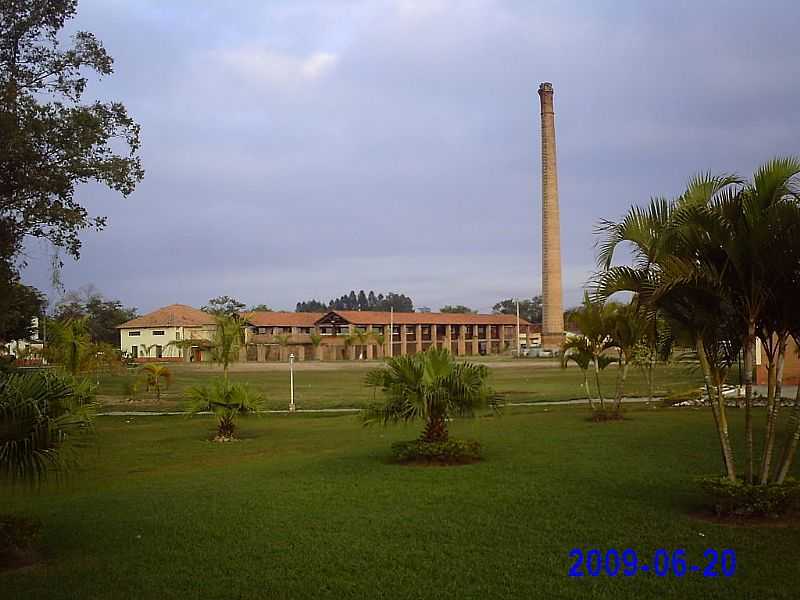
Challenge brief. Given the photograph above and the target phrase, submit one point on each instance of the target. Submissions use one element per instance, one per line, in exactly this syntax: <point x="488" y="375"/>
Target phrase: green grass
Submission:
<point x="343" y="386"/>
<point x="307" y="507"/>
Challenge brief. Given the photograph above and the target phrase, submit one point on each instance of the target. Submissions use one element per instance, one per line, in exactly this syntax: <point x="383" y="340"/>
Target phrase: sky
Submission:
<point x="302" y="148"/>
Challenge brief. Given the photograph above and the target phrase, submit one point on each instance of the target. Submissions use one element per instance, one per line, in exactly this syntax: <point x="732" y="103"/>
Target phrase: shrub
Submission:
<point x="743" y="499"/>
<point x="449" y="452"/>
<point x="601" y="415"/>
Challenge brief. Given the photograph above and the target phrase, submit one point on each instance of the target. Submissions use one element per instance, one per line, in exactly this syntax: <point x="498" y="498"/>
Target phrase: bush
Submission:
<point x="743" y="499"/>
<point x="601" y="415"/>
<point x="451" y="452"/>
<point x="18" y="539"/>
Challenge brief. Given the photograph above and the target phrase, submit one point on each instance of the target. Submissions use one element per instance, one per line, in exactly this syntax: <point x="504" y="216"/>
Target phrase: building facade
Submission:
<point x="335" y="335"/>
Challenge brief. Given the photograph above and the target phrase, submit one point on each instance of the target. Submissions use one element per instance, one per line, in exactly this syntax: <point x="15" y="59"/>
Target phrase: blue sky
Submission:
<point x="301" y="149"/>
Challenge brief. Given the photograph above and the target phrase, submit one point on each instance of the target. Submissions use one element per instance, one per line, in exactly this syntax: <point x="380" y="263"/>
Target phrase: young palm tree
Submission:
<point x="380" y="342"/>
<point x="228" y="401"/>
<point x="228" y="338"/>
<point x="39" y="413"/>
<point x="429" y="386"/>
<point x="283" y="341"/>
<point x="577" y="349"/>
<point x="594" y="319"/>
<point x="70" y="344"/>
<point x="153" y="374"/>
<point x="316" y="341"/>
<point x="627" y="330"/>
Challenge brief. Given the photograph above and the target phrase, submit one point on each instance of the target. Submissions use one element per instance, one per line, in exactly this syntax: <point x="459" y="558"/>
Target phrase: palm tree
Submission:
<point x="39" y="413"/>
<point x="594" y="319"/>
<point x="357" y="338"/>
<point x="429" y="386"/>
<point x="577" y="349"/>
<point x="70" y="344"/>
<point x="283" y="341"/>
<point x="380" y="342"/>
<point x="228" y="338"/>
<point x="316" y="341"/>
<point x="153" y="373"/>
<point x="228" y="401"/>
<point x="627" y="330"/>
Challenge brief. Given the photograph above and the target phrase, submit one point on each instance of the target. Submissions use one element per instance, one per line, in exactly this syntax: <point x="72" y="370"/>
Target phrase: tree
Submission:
<point x="153" y="373"/>
<point x="259" y="308"/>
<point x="577" y="349"/>
<point x="228" y="338"/>
<point x="224" y="306"/>
<point x="716" y="263"/>
<point x="51" y="142"/>
<point x="70" y="345"/>
<point x="102" y="316"/>
<point x="457" y="309"/>
<point x="311" y="306"/>
<point x="316" y="341"/>
<point x="362" y="301"/>
<point x="283" y="339"/>
<point x="627" y="329"/>
<point x="529" y="309"/>
<point x="594" y="319"/>
<point x="39" y="413"/>
<point x="18" y="306"/>
<point x="431" y="386"/>
<point x="228" y="401"/>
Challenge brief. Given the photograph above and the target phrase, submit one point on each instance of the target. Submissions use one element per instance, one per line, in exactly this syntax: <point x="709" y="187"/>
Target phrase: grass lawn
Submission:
<point x="342" y="385"/>
<point x="306" y="507"/>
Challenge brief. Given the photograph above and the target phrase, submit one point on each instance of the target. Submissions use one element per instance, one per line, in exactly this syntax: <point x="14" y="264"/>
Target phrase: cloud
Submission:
<point x="276" y="69"/>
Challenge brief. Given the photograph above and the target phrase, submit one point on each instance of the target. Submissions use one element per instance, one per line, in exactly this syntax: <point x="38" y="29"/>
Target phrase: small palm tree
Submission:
<point x="577" y="349"/>
<point x="39" y="413"/>
<point x="228" y="401"/>
<point x="429" y="386"/>
<point x="283" y="339"/>
<point x="153" y="374"/>
<point x="380" y="342"/>
<point x="228" y="338"/>
<point x="70" y="344"/>
<point x="316" y="340"/>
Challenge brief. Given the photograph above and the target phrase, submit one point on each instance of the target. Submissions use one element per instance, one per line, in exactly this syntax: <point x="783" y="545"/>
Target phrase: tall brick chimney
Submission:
<point x="552" y="301"/>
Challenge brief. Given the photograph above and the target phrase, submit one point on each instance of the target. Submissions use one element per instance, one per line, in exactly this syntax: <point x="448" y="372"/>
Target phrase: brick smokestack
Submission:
<point x="552" y="302"/>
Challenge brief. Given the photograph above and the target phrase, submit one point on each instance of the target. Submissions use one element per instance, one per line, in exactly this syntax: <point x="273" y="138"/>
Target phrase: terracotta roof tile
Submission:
<point x="278" y="318"/>
<point x="357" y="317"/>
<point x="174" y="315"/>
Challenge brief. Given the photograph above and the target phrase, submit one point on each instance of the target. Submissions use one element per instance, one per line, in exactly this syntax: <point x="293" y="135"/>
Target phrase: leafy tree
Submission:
<point x="362" y="301"/>
<point x="224" y="305"/>
<point x="311" y="306"/>
<point x="627" y="330"/>
<point x="228" y="401"/>
<point x="18" y="306"/>
<point x="153" y="374"/>
<point x="102" y="316"/>
<point x="39" y="413"/>
<point x="50" y="141"/>
<point x="529" y="309"/>
<point x="70" y="345"/>
<point x="316" y="341"/>
<point x="431" y="386"/>
<point x="260" y="308"/>
<point x="457" y="309"/>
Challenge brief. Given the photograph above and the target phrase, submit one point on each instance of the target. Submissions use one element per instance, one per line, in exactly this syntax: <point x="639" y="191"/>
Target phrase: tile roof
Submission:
<point x="416" y="318"/>
<point x="279" y="318"/>
<point x="174" y="315"/>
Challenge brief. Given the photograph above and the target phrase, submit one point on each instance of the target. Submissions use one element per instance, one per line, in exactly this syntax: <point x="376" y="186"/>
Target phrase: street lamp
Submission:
<point x="291" y="382"/>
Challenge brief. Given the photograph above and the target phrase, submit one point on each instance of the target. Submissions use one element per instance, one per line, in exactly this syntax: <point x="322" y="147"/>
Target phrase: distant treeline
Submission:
<point x="360" y="301"/>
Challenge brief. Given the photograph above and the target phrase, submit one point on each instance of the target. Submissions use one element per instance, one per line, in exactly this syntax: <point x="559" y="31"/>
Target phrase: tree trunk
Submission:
<point x="586" y="387"/>
<point x="718" y="411"/>
<point x="226" y="427"/>
<point x="749" y="349"/>
<point x="792" y="439"/>
<point x="621" y="390"/>
<point x="773" y="406"/>
<point x="597" y="381"/>
<point x="435" y="430"/>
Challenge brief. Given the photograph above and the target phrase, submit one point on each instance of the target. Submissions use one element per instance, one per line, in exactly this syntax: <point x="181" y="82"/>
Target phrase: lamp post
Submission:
<point x="291" y="382"/>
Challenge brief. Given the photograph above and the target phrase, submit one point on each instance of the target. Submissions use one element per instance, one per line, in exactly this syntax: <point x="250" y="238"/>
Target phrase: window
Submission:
<point x="158" y="332"/>
<point x="134" y="333"/>
<point x="262" y="330"/>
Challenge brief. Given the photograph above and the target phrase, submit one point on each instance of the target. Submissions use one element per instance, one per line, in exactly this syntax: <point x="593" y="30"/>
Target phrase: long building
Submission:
<point x="334" y="335"/>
